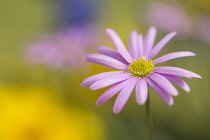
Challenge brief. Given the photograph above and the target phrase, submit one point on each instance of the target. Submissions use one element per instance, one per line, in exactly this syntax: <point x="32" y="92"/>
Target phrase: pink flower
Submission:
<point x="202" y="28"/>
<point x="137" y="69"/>
<point x="168" y="17"/>
<point x="63" y="49"/>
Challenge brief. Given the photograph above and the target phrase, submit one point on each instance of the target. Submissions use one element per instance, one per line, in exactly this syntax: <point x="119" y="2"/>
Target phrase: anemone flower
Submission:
<point x="137" y="70"/>
<point x="168" y="17"/>
<point x="62" y="49"/>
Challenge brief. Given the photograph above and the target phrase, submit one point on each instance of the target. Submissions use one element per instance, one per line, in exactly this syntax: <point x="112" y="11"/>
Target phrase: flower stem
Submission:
<point x="149" y="119"/>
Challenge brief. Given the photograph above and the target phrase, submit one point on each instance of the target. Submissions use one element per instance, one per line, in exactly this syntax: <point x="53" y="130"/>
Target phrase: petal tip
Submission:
<point x="108" y="30"/>
<point x="98" y="103"/>
<point x="86" y="57"/>
<point x="141" y="102"/>
<point x="174" y="33"/>
<point x="116" y="111"/>
<point x="187" y="89"/>
<point x="193" y="54"/>
<point x="153" y="28"/>
<point x="176" y="93"/>
<point x="82" y="84"/>
<point x="171" y="103"/>
<point x="197" y="76"/>
<point x="134" y="31"/>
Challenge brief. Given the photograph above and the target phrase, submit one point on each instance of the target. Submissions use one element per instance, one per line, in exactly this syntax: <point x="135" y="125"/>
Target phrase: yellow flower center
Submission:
<point x="141" y="67"/>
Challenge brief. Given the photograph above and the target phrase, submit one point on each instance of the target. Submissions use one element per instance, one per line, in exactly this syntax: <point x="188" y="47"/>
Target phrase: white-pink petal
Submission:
<point x="165" y="96"/>
<point x="106" y="61"/>
<point x="149" y="40"/>
<point x="90" y="80"/>
<point x="111" y="53"/>
<point x="173" y="56"/>
<point x="141" y="91"/>
<point x="140" y="44"/>
<point x="176" y="71"/>
<point x="111" y="92"/>
<point x="164" y="84"/>
<point x="133" y="46"/>
<point x="109" y="81"/>
<point x="119" y="44"/>
<point x="124" y="95"/>
<point x="159" y="46"/>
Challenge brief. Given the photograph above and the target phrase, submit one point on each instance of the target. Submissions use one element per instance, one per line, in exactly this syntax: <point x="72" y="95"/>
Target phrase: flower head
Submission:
<point x="141" y="67"/>
<point x="137" y="69"/>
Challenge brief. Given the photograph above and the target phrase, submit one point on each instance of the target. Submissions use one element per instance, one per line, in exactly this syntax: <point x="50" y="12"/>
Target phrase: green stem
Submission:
<point x="149" y="119"/>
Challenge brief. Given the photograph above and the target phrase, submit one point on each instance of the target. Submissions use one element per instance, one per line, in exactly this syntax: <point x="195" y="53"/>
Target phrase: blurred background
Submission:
<point x="43" y="43"/>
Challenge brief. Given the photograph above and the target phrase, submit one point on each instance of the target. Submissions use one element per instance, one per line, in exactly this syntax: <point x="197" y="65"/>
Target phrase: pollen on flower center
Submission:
<point x="141" y="67"/>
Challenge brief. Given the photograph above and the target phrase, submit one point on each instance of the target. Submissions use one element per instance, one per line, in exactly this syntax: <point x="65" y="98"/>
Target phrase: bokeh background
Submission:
<point x="43" y="43"/>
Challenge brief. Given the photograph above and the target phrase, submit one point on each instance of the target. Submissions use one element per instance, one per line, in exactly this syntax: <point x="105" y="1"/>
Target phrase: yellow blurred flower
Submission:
<point x="33" y="114"/>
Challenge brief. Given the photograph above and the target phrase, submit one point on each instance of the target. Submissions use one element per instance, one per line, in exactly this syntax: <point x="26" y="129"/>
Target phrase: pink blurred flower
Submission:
<point x="168" y="17"/>
<point x="202" y="28"/>
<point x="66" y="48"/>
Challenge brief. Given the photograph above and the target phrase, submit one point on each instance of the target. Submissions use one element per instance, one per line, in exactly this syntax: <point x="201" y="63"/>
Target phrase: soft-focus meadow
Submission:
<point x="43" y="43"/>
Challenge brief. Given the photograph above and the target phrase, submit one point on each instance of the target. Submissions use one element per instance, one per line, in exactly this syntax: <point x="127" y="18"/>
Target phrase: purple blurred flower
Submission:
<point x="168" y="17"/>
<point x="64" y="49"/>
<point x="202" y="28"/>
<point x="74" y="12"/>
<point x="137" y="69"/>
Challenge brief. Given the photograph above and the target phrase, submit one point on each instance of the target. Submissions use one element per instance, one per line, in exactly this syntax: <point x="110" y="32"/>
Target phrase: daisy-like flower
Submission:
<point x="137" y="69"/>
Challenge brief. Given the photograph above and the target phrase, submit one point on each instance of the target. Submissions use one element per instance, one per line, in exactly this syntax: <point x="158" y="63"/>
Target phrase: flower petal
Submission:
<point x="173" y="56"/>
<point x="164" y="84"/>
<point x="92" y="79"/>
<point x="141" y="91"/>
<point x="140" y="45"/>
<point x="158" y="47"/>
<point x="124" y="95"/>
<point x="111" y="91"/>
<point x="165" y="96"/>
<point x="119" y="44"/>
<point x="111" y="53"/>
<point x="109" y="81"/>
<point x="106" y="61"/>
<point x="149" y="40"/>
<point x="178" y="81"/>
<point x="133" y="46"/>
<point x="176" y="71"/>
